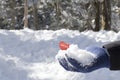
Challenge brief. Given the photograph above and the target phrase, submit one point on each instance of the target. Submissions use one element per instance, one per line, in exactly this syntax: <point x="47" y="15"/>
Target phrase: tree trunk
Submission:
<point x="103" y="15"/>
<point x="25" y="14"/>
<point x="58" y="12"/>
<point x="97" y="19"/>
<point x="107" y="14"/>
<point x="35" y="16"/>
<point x="12" y="7"/>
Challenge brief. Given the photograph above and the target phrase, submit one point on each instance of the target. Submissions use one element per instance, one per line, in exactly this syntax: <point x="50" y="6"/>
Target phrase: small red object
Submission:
<point x="63" y="45"/>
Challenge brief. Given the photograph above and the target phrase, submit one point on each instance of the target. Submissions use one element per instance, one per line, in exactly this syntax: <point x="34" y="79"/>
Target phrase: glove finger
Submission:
<point x="66" y="65"/>
<point x="79" y="67"/>
<point x="73" y="62"/>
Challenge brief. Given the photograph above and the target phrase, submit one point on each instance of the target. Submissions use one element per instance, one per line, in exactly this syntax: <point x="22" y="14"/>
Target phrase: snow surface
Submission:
<point x="30" y="55"/>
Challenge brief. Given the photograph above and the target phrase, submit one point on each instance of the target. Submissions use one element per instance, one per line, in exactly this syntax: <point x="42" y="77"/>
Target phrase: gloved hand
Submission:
<point x="87" y="60"/>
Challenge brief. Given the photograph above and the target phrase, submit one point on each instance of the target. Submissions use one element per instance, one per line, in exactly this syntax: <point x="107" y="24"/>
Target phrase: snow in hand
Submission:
<point x="30" y="55"/>
<point x="82" y="56"/>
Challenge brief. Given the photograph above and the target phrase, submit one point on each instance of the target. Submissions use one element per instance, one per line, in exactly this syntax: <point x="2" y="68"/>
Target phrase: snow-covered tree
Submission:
<point x="56" y="14"/>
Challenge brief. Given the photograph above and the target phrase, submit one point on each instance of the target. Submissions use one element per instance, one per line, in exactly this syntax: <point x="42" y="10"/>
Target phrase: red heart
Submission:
<point x="63" y="45"/>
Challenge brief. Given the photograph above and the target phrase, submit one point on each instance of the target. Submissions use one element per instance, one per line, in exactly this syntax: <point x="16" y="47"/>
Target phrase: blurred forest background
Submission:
<point x="57" y="14"/>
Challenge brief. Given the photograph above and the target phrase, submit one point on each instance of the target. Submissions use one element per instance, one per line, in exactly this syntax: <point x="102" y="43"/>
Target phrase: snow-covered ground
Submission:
<point x="30" y="55"/>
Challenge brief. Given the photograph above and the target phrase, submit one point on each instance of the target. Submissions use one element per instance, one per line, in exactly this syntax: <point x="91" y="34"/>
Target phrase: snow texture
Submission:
<point x="30" y="55"/>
